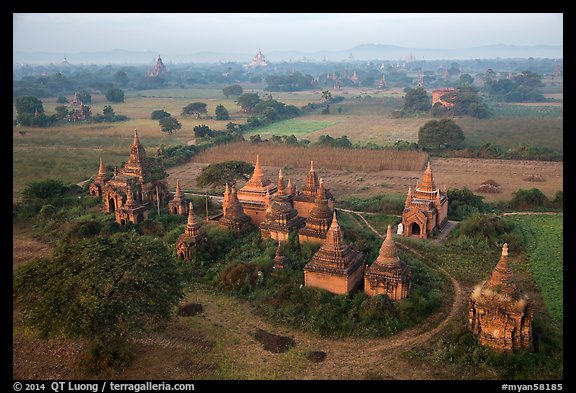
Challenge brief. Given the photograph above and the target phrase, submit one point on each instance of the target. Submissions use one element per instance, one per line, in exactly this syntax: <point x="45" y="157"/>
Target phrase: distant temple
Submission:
<point x="257" y="61"/>
<point x="335" y="267"/>
<point x="425" y="209"/>
<point x="498" y="313"/>
<point x="133" y="189"/>
<point x="159" y="68"/>
<point x="305" y="200"/>
<point x="178" y="205"/>
<point x="388" y="275"/>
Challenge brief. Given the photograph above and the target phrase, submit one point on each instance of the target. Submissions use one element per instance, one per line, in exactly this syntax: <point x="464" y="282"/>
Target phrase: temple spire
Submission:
<point x="502" y="274"/>
<point x="408" y="197"/>
<point x="178" y="193"/>
<point x="388" y="255"/>
<point x="191" y="219"/>
<point x="101" y="169"/>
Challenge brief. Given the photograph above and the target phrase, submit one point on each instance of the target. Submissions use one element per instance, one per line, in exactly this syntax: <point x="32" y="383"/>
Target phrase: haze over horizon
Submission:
<point x="240" y="33"/>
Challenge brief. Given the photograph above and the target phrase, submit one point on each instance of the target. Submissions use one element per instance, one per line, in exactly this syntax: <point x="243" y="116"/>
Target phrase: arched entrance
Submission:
<point x="415" y="230"/>
<point x="111" y="205"/>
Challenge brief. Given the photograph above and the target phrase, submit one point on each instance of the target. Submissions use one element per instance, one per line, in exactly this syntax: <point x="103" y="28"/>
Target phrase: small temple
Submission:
<point x="234" y="217"/>
<point x="319" y="219"/>
<point x="335" y="267"/>
<point x="425" y="209"/>
<point x="498" y="313"/>
<point x="305" y="200"/>
<point x="178" y="205"/>
<point x="388" y="275"/>
<point x="133" y="189"/>
<point x="439" y="101"/>
<point x="256" y="195"/>
<point x="193" y="235"/>
<point x="281" y="217"/>
<point x="280" y="261"/>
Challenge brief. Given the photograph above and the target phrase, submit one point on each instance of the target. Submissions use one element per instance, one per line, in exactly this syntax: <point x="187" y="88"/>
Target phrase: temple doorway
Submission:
<point x="415" y="229"/>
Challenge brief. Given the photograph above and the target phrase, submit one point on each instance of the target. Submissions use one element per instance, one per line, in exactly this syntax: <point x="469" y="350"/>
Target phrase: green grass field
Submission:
<point x="543" y="235"/>
<point x="297" y="127"/>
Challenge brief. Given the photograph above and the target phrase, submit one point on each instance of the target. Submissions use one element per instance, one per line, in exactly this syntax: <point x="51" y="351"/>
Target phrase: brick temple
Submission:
<point x="234" y="217"/>
<point x="256" y="195"/>
<point x="335" y="267"/>
<point x="425" y="209"/>
<point x="498" y="313"/>
<point x="193" y="235"/>
<point x="388" y="275"/>
<point x="133" y="189"/>
<point x="318" y="220"/>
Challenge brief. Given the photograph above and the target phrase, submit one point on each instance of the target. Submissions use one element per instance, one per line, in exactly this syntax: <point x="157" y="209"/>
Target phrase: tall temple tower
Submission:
<point x="193" y="235"/>
<point x="319" y="219"/>
<point x="498" y="313"/>
<point x="253" y="195"/>
<point x="234" y="217"/>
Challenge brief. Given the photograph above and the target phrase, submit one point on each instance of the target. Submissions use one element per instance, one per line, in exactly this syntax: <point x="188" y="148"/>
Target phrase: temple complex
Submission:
<point x="319" y="219"/>
<point x="234" y="217"/>
<point x="498" y="313"/>
<point x="305" y="200"/>
<point x="159" y="68"/>
<point x="281" y="217"/>
<point x="256" y="195"/>
<point x="335" y="267"/>
<point x="139" y="185"/>
<point x="192" y="236"/>
<point x="178" y="205"/>
<point x="425" y="209"/>
<point x="388" y="275"/>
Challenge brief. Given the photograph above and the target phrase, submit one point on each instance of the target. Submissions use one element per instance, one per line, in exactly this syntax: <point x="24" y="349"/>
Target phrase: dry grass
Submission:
<point x="324" y="157"/>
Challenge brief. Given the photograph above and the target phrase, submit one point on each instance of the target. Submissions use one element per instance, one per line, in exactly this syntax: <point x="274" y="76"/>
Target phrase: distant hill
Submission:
<point x="359" y="52"/>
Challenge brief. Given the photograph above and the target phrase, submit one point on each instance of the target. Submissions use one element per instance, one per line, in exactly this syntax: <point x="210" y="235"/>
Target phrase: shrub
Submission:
<point x="239" y="277"/>
<point x="528" y="199"/>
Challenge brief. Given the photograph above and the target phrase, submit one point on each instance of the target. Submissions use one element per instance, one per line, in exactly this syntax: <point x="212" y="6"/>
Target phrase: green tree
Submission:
<point x="61" y="111"/>
<point x="224" y="172"/>
<point x="62" y="100"/>
<point x="437" y="134"/>
<point x="28" y="104"/>
<point x="120" y="78"/>
<point x="234" y="90"/>
<point x="202" y="131"/>
<point x="105" y="289"/>
<point x="195" y="108"/>
<point x="248" y="101"/>
<point x="159" y="114"/>
<point x="169" y="124"/>
<point x="108" y="112"/>
<point x="84" y="96"/>
<point x="326" y="96"/>
<point x="466" y="80"/>
<point x="417" y="100"/>
<point x="222" y="113"/>
<point x="114" y="94"/>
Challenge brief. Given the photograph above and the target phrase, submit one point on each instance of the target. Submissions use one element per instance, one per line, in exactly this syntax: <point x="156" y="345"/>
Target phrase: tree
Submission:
<point x="28" y="104"/>
<point x="121" y="78"/>
<point x="195" y="108"/>
<point x="234" y="90"/>
<point x="169" y="124"/>
<point x="159" y="114"/>
<point x="202" y="131"/>
<point x="108" y="289"/>
<point x="248" y="101"/>
<point x="114" y="94"/>
<point x="437" y="134"/>
<point x="61" y="112"/>
<point x="84" y="96"/>
<point x="62" y="100"/>
<point x="224" y="172"/>
<point x="326" y="96"/>
<point x="222" y="113"/>
<point x="416" y="100"/>
<point x="466" y="80"/>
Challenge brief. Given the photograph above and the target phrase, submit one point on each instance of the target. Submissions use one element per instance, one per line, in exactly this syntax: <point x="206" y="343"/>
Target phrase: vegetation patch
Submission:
<point x="291" y="127"/>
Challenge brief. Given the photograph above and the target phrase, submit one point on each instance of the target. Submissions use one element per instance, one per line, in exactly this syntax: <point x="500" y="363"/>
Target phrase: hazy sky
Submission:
<point x="236" y="32"/>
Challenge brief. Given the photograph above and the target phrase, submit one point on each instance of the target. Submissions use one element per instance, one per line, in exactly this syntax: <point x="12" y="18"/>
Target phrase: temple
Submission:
<point x="305" y="200"/>
<point x="257" y="61"/>
<point x="193" y="235"/>
<point x="133" y="189"/>
<point x="425" y="209"/>
<point x="256" y="195"/>
<point x="280" y="261"/>
<point x="318" y="220"/>
<point x="234" y="217"/>
<point x="178" y="205"/>
<point x="335" y="267"/>
<point x="388" y="275"/>
<point x="281" y="217"/>
<point x="439" y="101"/>
<point x="498" y="313"/>
<point x="159" y="68"/>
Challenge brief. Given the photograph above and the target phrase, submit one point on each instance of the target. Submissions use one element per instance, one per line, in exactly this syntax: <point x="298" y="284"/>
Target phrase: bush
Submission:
<point x="528" y="199"/>
<point x="239" y="277"/>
